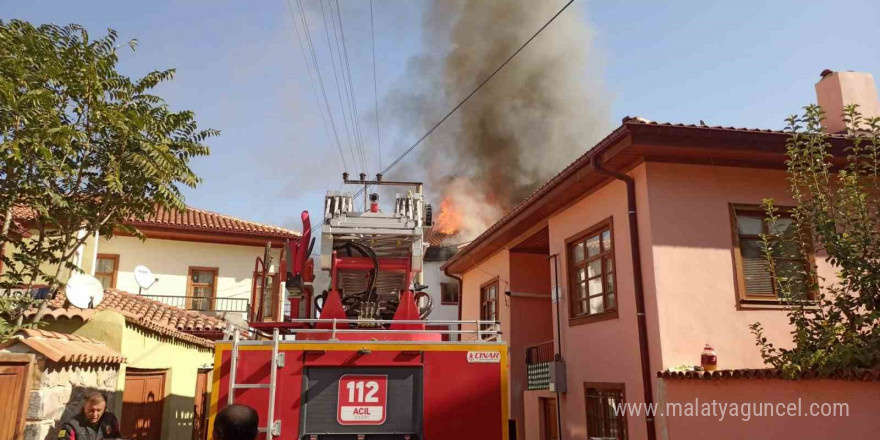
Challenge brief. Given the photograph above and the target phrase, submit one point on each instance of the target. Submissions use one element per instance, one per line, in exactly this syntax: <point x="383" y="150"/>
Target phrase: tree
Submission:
<point x="836" y="322"/>
<point x="82" y="149"/>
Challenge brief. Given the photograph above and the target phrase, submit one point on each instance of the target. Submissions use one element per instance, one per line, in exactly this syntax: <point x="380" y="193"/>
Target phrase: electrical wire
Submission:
<point x="375" y="86"/>
<point x="308" y="32"/>
<point x="471" y="94"/>
<point x="314" y="88"/>
<point x="352" y="145"/>
<point x="356" y="113"/>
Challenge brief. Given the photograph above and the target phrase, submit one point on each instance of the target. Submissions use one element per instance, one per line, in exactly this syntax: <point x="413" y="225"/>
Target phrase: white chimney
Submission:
<point x="838" y="89"/>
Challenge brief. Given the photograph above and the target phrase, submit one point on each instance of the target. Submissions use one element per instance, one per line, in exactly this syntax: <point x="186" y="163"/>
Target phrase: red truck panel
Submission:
<point x="461" y="399"/>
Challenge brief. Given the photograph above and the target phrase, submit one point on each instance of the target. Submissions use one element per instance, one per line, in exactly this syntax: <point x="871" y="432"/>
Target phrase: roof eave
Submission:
<point x="484" y="245"/>
<point x="632" y="142"/>
<point x="185" y="233"/>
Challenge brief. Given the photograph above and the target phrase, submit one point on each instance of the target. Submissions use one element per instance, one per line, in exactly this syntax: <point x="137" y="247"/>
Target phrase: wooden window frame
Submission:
<point x="115" y="258"/>
<point x="744" y="300"/>
<point x="606" y="386"/>
<point x="608" y="313"/>
<point x="483" y="287"/>
<point x="189" y="285"/>
<point x="443" y="300"/>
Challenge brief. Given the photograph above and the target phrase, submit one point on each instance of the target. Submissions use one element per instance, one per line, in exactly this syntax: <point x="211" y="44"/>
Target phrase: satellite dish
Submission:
<point x="84" y="291"/>
<point x="144" y="277"/>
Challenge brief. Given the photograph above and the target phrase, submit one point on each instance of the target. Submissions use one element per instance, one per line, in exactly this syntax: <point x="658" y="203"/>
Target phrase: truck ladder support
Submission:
<point x="273" y="427"/>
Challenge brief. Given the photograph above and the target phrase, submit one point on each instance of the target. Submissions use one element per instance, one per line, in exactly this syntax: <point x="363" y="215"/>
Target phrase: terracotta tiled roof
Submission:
<point x="637" y="120"/>
<point x="865" y="375"/>
<point x="435" y="238"/>
<point x="191" y="219"/>
<point x="60" y="347"/>
<point x="200" y="220"/>
<point x="145" y="312"/>
<point x="583" y="161"/>
<point x="22" y="213"/>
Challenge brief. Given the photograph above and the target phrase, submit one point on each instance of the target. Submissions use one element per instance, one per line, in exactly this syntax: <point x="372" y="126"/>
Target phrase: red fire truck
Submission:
<point x="356" y="361"/>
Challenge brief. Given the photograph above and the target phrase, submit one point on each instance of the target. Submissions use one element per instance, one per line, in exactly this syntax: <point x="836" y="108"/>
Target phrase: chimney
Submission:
<point x="838" y="89"/>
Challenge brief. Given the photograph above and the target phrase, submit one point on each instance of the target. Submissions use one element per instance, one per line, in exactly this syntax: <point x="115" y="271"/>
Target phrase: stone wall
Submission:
<point x="58" y="390"/>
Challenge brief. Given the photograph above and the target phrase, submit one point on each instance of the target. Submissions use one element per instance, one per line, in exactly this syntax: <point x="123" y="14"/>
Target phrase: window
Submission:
<point x="202" y="287"/>
<point x="106" y="267"/>
<point x="449" y="293"/>
<point x="756" y="280"/>
<point x="489" y="303"/>
<point x="603" y="419"/>
<point x="592" y="294"/>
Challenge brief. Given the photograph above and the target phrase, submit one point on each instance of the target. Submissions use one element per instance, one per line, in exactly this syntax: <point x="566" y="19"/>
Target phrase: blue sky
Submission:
<point x="239" y="67"/>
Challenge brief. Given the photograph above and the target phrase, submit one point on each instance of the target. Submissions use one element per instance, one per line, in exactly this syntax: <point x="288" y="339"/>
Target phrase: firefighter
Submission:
<point x="236" y="422"/>
<point x="93" y="423"/>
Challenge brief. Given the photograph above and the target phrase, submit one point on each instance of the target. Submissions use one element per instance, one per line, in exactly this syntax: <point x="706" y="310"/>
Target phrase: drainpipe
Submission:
<point x="558" y="356"/>
<point x="95" y="255"/>
<point x="639" y="287"/>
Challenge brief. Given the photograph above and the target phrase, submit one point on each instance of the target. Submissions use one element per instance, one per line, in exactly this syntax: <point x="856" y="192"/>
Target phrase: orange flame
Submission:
<point x="449" y="219"/>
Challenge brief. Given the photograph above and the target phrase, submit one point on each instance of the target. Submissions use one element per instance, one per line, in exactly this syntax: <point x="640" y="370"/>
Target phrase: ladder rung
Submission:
<point x="240" y="386"/>
<point x="274" y="427"/>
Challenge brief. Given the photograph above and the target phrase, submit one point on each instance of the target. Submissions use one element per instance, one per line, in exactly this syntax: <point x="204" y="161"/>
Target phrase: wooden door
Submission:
<point x="200" y="407"/>
<point x="14" y="372"/>
<point x="143" y="404"/>
<point x="548" y="417"/>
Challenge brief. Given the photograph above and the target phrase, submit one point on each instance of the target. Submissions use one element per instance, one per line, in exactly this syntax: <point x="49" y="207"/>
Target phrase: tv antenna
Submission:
<point x="84" y="291"/>
<point x="144" y="278"/>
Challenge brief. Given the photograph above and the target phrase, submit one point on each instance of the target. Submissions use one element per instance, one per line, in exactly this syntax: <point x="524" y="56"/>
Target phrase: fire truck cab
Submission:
<point x="360" y="365"/>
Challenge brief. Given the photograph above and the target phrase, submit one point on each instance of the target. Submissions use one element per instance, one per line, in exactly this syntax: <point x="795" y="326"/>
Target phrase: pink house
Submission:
<point x="649" y="242"/>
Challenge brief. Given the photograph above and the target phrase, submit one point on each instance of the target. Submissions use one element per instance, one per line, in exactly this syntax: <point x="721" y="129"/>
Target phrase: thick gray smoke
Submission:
<point x="532" y="119"/>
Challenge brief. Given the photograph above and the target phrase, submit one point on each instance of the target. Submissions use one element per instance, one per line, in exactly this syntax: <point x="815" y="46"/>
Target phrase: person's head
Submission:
<point x="94" y="406"/>
<point x="236" y="422"/>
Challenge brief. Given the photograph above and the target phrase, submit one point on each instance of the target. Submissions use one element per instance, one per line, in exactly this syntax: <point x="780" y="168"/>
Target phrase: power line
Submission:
<point x="472" y="93"/>
<point x="352" y="145"/>
<point x="347" y="83"/>
<point x="375" y="86"/>
<point x="312" y="83"/>
<point x="350" y="82"/>
<point x="317" y="68"/>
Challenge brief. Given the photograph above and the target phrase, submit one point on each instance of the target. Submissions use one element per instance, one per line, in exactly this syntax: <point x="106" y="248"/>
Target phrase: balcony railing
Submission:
<point x="203" y="304"/>
<point x="539" y="360"/>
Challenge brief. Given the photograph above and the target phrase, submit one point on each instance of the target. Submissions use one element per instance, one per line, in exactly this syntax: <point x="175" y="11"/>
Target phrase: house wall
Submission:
<point x="9" y="250"/>
<point x="529" y="274"/>
<point x="534" y="423"/>
<point x="148" y="350"/>
<point x="859" y="422"/>
<point x="606" y="351"/>
<point x="433" y="277"/>
<point x="496" y="266"/>
<point x="170" y="260"/>
<point x="693" y="262"/>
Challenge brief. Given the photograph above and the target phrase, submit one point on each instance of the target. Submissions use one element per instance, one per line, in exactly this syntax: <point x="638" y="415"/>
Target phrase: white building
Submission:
<point x="201" y="260"/>
<point x="444" y="290"/>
